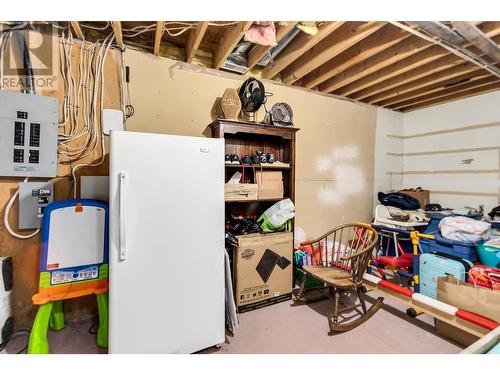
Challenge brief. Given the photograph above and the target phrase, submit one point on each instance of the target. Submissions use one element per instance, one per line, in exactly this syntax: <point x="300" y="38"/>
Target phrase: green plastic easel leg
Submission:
<point x="57" y="317"/>
<point x="38" y="343"/>
<point x="102" y="331"/>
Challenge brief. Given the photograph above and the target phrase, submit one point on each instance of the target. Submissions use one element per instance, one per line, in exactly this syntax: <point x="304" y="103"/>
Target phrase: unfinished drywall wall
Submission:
<point x="453" y="150"/>
<point x="335" y="152"/>
<point x="388" y="151"/>
<point x="335" y="146"/>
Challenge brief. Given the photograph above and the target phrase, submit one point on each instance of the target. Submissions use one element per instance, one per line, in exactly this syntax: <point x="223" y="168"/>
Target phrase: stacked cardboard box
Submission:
<point x="270" y="184"/>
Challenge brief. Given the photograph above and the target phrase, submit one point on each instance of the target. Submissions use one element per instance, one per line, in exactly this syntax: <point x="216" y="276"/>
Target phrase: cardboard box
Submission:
<point x="262" y="269"/>
<point x="270" y="184"/>
<point x="240" y="192"/>
<point x="423" y="197"/>
<point x="454" y="334"/>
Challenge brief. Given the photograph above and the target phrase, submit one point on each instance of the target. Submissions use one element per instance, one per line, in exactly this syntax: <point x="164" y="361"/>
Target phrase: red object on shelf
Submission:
<point x="477" y="319"/>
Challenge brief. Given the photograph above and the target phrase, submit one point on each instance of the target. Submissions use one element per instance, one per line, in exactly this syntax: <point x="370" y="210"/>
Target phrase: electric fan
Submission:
<point x="281" y="114"/>
<point x="252" y="95"/>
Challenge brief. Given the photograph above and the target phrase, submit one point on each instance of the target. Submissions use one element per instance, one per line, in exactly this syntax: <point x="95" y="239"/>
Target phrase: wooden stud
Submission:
<point x="435" y="87"/>
<point x="297" y="47"/>
<point x="158" y="35"/>
<point x="399" y="51"/>
<point x="375" y="43"/>
<point x="194" y="39"/>
<point x="117" y="29"/>
<point x="75" y="25"/>
<point x="337" y="42"/>
<point x="460" y="94"/>
<point x="258" y="52"/>
<point x="228" y="41"/>
<point x="474" y="35"/>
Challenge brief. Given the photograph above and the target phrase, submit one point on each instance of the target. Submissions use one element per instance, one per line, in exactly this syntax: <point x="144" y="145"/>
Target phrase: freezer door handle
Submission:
<point x="123" y="215"/>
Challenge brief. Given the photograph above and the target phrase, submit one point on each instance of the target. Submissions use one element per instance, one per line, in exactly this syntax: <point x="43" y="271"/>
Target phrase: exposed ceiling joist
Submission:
<point x="446" y="67"/>
<point x="117" y="29"/>
<point x="390" y="86"/>
<point x="429" y="79"/>
<point x="75" y="25"/>
<point x="438" y="86"/>
<point x="194" y="40"/>
<point x="375" y="43"/>
<point x="455" y="49"/>
<point x="337" y="42"/>
<point x="474" y="35"/>
<point x="420" y="95"/>
<point x="426" y="56"/>
<point x="459" y="94"/>
<point x="158" y="35"/>
<point x="297" y="47"/>
<point x="258" y="52"/>
<point x="382" y="59"/>
<point x="227" y="43"/>
<point x="437" y="29"/>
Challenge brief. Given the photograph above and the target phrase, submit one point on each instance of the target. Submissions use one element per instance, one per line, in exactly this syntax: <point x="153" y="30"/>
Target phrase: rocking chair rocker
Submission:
<point x="340" y="258"/>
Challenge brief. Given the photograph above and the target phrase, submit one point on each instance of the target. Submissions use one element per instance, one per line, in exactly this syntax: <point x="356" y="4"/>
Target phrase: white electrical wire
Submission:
<point x="6" y="218"/>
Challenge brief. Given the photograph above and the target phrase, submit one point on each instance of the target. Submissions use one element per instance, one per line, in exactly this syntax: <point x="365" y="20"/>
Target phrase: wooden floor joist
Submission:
<point x="297" y="47"/>
<point x="194" y="39"/>
<point x="457" y="95"/>
<point x="390" y="64"/>
<point x="385" y="58"/>
<point x="464" y="78"/>
<point x="117" y="29"/>
<point x="228" y="42"/>
<point x="375" y="43"/>
<point x="337" y="42"/>
<point x="75" y="25"/>
<point x="377" y="92"/>
<point x="426" y="56"/>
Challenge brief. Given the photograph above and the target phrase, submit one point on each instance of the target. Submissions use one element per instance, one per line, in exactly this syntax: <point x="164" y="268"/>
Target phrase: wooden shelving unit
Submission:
<point x="245" y="138"/>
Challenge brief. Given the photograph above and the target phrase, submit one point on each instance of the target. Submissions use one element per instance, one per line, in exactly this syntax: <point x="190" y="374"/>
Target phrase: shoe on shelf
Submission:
<point x="270" y="158"/>
<point x="263" y="158"/>
<point x="227" y="159"/>
<point x="234" y="159"/>
<point x="256" y="159"/>
<point x="246" y="160"/>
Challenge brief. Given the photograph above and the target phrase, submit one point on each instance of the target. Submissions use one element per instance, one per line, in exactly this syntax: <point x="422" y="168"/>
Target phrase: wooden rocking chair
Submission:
<point x="339" y="259"/>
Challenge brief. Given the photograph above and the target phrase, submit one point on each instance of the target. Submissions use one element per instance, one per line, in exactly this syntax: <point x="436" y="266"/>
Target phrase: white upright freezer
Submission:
<point x="166" y="248"/>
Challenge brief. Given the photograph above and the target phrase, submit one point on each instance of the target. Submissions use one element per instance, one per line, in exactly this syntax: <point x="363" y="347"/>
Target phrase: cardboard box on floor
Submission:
<point x="423" y="197"/>
<point x="262" y="269"/>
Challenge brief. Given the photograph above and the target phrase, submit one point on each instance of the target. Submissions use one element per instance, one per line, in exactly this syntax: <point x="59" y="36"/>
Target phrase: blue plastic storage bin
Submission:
<point x="433" y="226"/>
<point x="443" y="245"/>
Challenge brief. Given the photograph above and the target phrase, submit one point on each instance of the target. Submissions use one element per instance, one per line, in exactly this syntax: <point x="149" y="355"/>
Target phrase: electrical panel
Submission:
<point x="28" y="135"/>
<point x="33" y="199"/>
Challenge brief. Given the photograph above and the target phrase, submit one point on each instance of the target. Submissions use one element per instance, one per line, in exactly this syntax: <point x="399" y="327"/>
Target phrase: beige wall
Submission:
<point x="335" y="146"/>
<point x="335" y="152"/>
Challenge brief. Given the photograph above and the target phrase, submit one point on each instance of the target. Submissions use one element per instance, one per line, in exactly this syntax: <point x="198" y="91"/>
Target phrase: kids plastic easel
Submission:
<point x="73" y="263"/>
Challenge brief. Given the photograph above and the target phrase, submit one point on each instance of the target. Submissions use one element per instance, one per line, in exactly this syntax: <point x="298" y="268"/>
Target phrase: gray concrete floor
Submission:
<point x="290" y="328"/>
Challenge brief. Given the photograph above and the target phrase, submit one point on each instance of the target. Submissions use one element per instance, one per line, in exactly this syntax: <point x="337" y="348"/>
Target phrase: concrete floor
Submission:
<point x="290" y="328"/>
